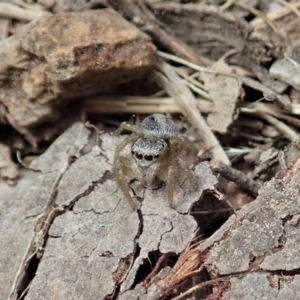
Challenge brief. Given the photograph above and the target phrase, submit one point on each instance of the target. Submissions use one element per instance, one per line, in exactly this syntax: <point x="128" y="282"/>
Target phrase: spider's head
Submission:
<point x="146" y="150"/>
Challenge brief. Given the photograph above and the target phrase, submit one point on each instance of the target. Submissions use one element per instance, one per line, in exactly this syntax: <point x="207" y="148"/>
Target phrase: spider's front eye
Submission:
<point x="148" y="157"/>
<point x="156" y="156"/>
<point x="139" y="155"/>
<point x="132" y="152"/>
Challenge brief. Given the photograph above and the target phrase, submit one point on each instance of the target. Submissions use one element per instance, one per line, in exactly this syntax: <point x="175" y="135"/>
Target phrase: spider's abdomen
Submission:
<point x="160" y="126"/>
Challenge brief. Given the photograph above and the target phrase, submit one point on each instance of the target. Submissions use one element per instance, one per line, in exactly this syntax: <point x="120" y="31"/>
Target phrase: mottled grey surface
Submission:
<point x="251" y="287"/>
<point x="18" y="214"/>
<point x="289" y="257"/>
<point x="92" y="243"/>
<point x="260" y="229"/>
<point x="22" y="206"/>
<point x="262" y="237"/>
<point x="262" y="286"/>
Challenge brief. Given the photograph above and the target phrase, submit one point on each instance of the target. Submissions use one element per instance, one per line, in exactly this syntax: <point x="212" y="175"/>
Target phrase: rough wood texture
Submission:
<point x="24" y="208"/>
<point x="77" y="54"/>
<point x="79" y="236"/>
<point x="261" y="242"/>
<point x="73" y="235"/>
<point x="219" y="34"/>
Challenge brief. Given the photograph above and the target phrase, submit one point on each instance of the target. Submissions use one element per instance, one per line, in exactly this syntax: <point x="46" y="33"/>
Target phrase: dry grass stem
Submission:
<point x="138" y="105"/>
<point x="184" y="98"/>
<point x="189" y="78"/>
<point x="276" y="15"/>
<point x="8" y="10"/>
<point x="290" y="6"/>
<point x="227" y="4"/>
<point x="30" y="6"/>
<point x="258" y="13"/>
<point x="275" y="112"/>
<point x="288" y="132"/>
<point x="191" y="65"/>
<point x="196" y="89"/>
<point x="188" y="265"/>
<point x="285" y="102"/>
<point x="236" y="176"/>
<point x="199" y="287"/>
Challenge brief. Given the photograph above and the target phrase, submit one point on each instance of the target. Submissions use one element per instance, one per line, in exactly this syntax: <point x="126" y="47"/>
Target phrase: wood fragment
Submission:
<point x="138" y="105"/>
<point x="287" y="131"/>
<point x="236" y="176"/>
<point x="8" y="10"/>
<point x="200" y="286"/>
<point x="139" y="14"/>
<point x="174" y="86"/>
<point x="276" y="15"/>
<point x="290" y="6"/>
<point x="283" y="100"/>
<point x="258" y="13"/>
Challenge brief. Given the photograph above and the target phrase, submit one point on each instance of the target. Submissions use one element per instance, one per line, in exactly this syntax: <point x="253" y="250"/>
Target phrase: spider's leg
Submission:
<point x="128" y="127"/>
<point x="123" y="172"/>
<point x="185" y="144"/>
<point x="171" y="184"/>
<point x="185" y="168"/>
<point x="127" y="141"/>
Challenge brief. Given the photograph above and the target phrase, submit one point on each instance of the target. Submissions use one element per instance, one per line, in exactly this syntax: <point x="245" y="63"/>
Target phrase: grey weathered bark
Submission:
<point x="257" y="249"/>
<point x="68" y="231"/>
<point x="71" y="222"/>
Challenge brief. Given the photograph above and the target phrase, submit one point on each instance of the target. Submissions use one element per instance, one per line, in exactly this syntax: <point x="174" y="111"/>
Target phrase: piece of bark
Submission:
<point x="225" y="92"/>
<point x="80" y="237"/>
<point x="60" y="58"/>
<point x="19" y="209"/>
<point x="264" y="286"/>
<point x="262" y="236"/>
<point x="140" y="15"/>
<point x="37" y="206"/>
<point x="213" y="33"/>
<point x="286" y="70"/>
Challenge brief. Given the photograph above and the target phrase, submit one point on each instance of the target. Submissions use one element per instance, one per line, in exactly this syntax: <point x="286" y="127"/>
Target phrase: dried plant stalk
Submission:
<point x="138" y="105"/>
<point x="275" y="15"/>
<point x="187" y="265"/>
<point x="184" y="98"/>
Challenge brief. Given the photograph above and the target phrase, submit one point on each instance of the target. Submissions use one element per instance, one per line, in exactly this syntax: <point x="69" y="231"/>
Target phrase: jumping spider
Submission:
<point x="156" y="155"/>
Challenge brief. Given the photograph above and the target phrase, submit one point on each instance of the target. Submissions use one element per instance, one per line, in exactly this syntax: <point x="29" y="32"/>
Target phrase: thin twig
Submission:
<point x="155" y="270"/>
<point x="258" y="13"/>
<point x="8" y="10"/>
<point x="189" y="78"/>
<point x="197" y="90"/>
<point x="284" y="102"/>
<point x="139" y="13"/>
<point x="28" y="6"/>
<point x="275" y="15"/>
<point x="184" y="98"/>
<point x="138" y="105"/>
<point x="227" y="4"/>
<point x="275" y="112"/>
<point x="288" y="132"/>
<point x="191" y="65"/>
<point x="280" y="126"/>
<point x="199" y="287"/>
<point x="236" y="176"/>
<point x="290" y="6"/>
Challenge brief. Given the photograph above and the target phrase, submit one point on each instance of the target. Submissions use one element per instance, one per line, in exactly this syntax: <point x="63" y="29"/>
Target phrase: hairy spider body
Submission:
<point x="156" y="155"/>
